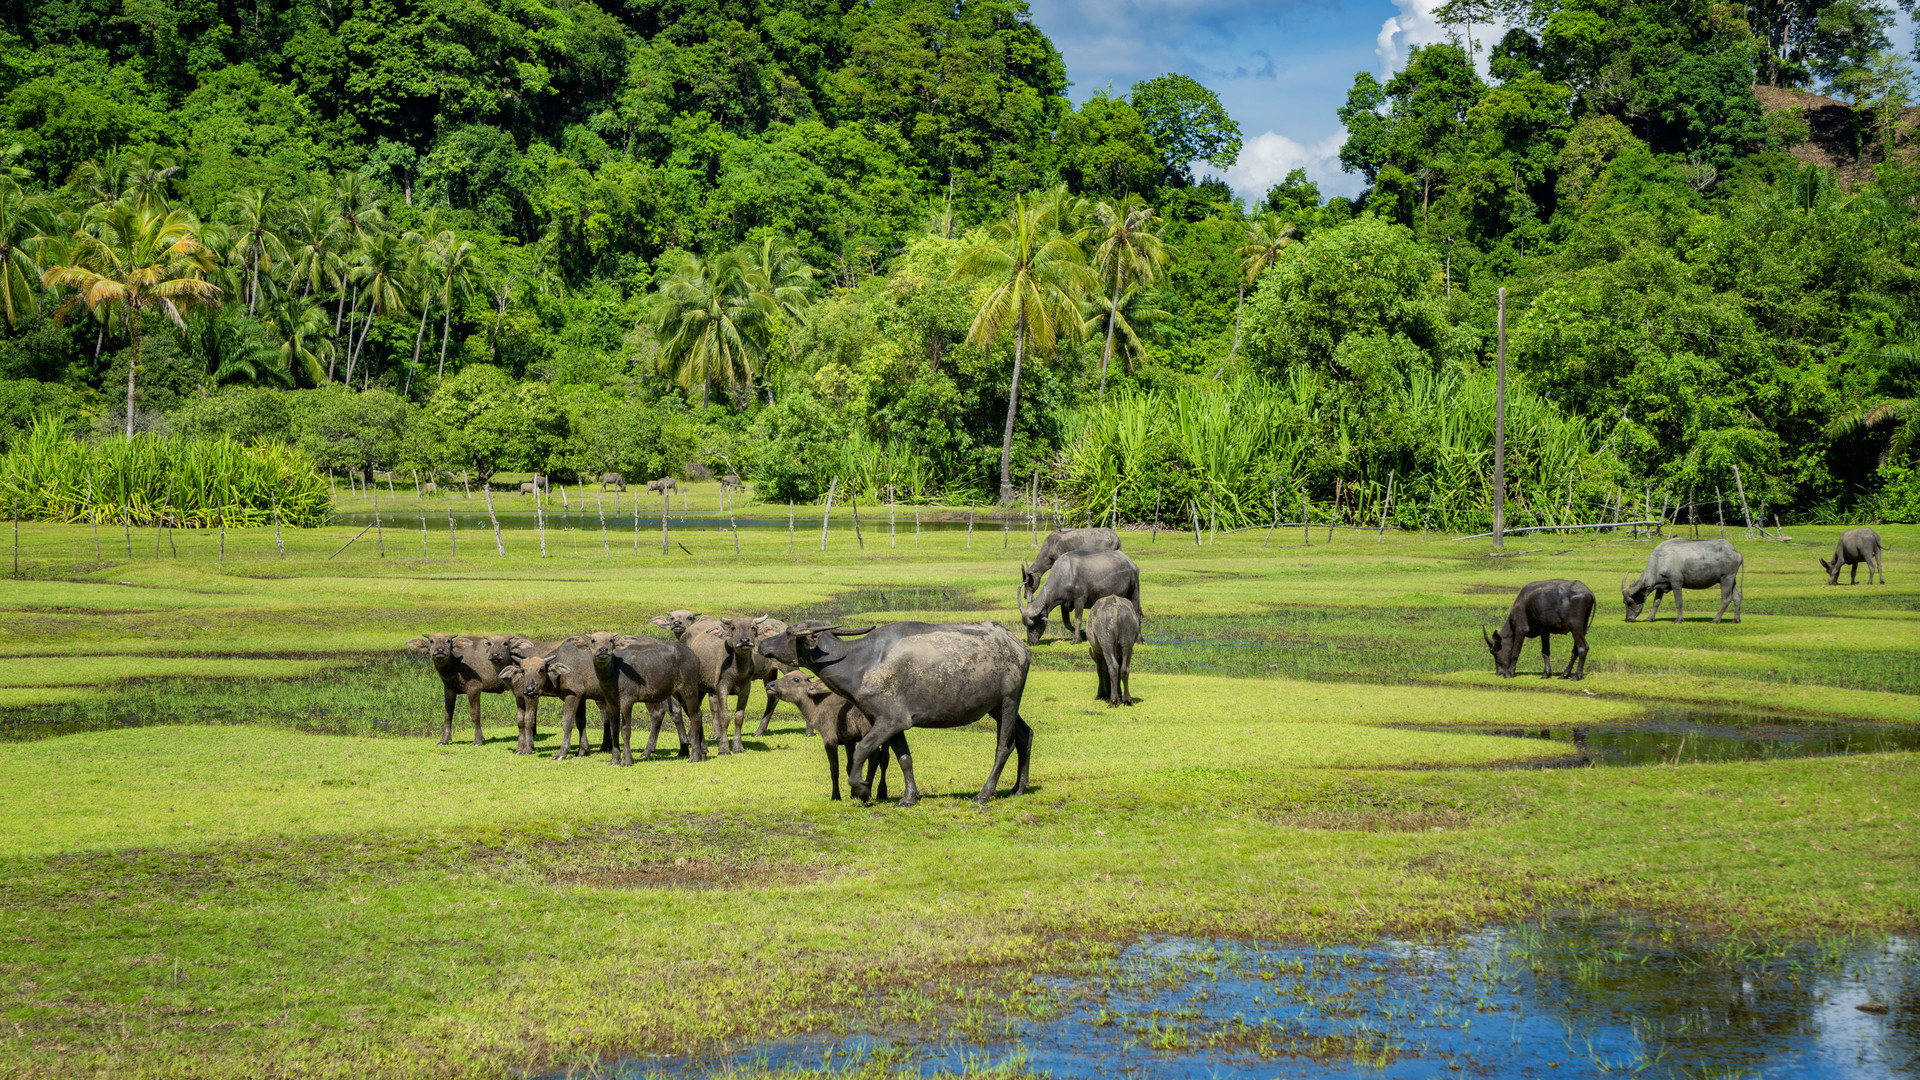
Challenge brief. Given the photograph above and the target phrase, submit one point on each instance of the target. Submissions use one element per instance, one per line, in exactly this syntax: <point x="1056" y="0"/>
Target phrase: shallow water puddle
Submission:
<point x="1677" y="736"/>
<point x="1561" y="998"/>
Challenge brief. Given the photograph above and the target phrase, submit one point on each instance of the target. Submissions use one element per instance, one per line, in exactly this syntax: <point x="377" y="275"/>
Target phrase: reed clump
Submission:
<point x="52" y="475"/>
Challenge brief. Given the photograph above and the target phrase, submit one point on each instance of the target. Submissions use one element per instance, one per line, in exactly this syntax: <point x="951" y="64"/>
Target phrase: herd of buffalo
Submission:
<point x="861" y="688"/>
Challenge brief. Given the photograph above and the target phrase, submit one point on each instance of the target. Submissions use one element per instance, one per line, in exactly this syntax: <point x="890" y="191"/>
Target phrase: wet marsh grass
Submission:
<point x="255" y="875"/>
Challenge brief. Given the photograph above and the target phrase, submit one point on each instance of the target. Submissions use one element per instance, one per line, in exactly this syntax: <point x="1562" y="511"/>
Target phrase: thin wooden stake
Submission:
<point x="453" y="538"/>
<point x="666" y="507"/>
<point x="1276" y="518"/>
<point x="1338" y="488"/>
<point x="789" y="528"/>
<point x="1384" y="507"/>
<point x="969" y="524"/>
<point x="223" y="536"/>
<point x="734" y="526"/>
<point x="1744" y="512"/>
<point x="379" y="534"/>
<point x="499" y="545"/>
<point x="832" y="486"/>
<point x="423" y="529"/>
<point x="606" y="546"/>
<point x="540" y="520"/>
<point x="166" y="505"/>
<point x="1306" y="531"/>
<point x="93" y="515"/>
<point x="348" y="544"/>
<point x="892" y="497"/>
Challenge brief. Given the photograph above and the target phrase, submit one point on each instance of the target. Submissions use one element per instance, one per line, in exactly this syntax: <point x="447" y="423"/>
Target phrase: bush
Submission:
<point x="246" y="415"/>
<point x="23" y="401"/>
<point x="797" y="445"/>
<point x="633" y="439"/>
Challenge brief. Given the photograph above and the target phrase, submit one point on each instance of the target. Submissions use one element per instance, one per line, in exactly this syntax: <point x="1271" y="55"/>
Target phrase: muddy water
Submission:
<point x="1682" y="736"/>
<point x="1560" y="998"/>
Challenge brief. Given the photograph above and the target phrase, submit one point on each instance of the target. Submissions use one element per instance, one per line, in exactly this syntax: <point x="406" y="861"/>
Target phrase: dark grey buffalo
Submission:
<point x="915" y="674"/>
<point x="1061" y="541"/>
<point x="1076" y="582"/>
<point x="1679" y="564"/>
<point x="1112" y="628"/>
<point x="1543" y="609"/>
<point x="1856" y="546"/>
<point x="614" y="480"/>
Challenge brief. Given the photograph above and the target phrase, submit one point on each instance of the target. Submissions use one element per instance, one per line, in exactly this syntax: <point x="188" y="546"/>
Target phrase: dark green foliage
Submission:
<point x="1187" y="123"/>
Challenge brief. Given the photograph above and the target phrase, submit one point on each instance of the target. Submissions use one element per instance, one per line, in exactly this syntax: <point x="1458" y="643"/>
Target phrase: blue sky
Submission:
<point x="1281" y="67"/>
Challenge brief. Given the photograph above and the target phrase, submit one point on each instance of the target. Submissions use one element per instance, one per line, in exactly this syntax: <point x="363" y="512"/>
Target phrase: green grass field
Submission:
<point x="230" y="847"/>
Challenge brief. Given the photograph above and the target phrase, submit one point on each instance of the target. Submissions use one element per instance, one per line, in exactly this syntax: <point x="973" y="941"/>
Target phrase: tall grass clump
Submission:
<point x="1229" y="454"/>
<point x="188" y="483"/>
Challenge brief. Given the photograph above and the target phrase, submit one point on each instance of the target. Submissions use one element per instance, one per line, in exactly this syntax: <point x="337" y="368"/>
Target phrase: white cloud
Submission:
<point x="1415" y="25"/>
<point x="1266" y="159"/>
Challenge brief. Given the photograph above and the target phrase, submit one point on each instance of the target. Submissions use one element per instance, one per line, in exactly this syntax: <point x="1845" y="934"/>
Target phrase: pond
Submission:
<point x="620" y="525"/>
<point x="1687" y="736"/>
<point x="1569" y="996"/>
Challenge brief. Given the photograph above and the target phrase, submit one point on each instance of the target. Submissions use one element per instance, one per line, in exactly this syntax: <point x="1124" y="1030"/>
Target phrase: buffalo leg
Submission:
<point x="898" y="744"/>
<point x="570" y="708"/>
<point x="883" y="730"/>
<point x="1546" y="656"/>
<point x="1126" y="674"/>
<point x="623" y="749"/>
<point x="1579" y="655"/>
<point x="719" y="702"/>
<point x="1729" y="593"/>
<point x="1875" y="569"/>
<point x="608" y="732"/>
<point x="1006" y="717"/>
<point x="695" y="742"/>
<point x="473" y="700"/>
<point x="1080" y="621"/>
<point x="1023" y="747"/>
<point x="1103" y="671"/>
<point x="833" y="767"/>
<point x="446" y="730"/>
<point x="740" y="718"/>
<point x="765" y="717"/>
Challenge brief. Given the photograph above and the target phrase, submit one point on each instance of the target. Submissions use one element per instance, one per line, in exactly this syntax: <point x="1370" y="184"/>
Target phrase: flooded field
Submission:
<point x="1561" y="997"/>
<point x="1673" y="736"/>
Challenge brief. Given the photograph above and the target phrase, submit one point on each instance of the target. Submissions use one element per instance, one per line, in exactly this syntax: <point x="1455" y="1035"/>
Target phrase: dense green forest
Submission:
<point x="801" y="239"/>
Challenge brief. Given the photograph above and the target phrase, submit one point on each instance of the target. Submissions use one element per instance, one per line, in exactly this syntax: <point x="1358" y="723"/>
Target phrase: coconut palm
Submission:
<point x="1267" y="236"/>
<point x="314" y="236"/>
<point x="378" y="275"/>
<point x="1034" y="273"/>
<point x="104" y="179"/>
<point x="777" y="269"/>
<point x="1128" y="317"/>
<point x="137" y="260"/>
<point x="301" y="327"/>
<point x="147" y="178"/>
<point x="361" y="215"/>
<point x="24" y="220"/>
<point x="1128" y="252"/>
<point x="711" y="323"/>
<point x="456" y="270"/>
<point x="1902" y="413"/>
<point x="255" y="245"/>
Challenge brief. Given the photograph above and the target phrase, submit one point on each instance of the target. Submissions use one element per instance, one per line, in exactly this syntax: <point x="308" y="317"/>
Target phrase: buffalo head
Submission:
<point x="439" y="647"/>
<point x="1633" y="595"/>
<point x="529" y="677"/>
<point x="1034" y="619"/>
<point x="1029" y="577"/>
<point x="790" y="648"/>
<point x="1505" y="647"/>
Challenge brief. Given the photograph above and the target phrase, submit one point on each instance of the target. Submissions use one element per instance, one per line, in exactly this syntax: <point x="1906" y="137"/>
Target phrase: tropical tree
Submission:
<point x="361" y="217"/>
<point x="147" y="178"/>
<point x="139" y="259"/>
<point x="776" y="269"/>
<point x="301" y="327"/>
<point x="378" y="274"/>
<point x="1899" y="409"/>
<point x="316" y="233"/>
<point x="1267" y="236"/>
<point x="1128" y="318"/>
<point x="24" y="218"/>
<point x="1035" y="274"/>
<point x="456" y="271"/>
<point x="254" y="243"/>
<point x="711" y="322"/>
<point x="1128" y="252"/>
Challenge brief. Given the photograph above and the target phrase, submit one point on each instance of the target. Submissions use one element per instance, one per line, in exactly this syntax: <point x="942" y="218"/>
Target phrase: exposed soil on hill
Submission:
<point x="1837" y="136"/>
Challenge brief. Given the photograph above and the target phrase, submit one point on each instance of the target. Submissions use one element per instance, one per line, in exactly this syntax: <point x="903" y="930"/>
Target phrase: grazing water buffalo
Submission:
<point x="915" y="674"/>
<point x="614" y="479"/>
<point x="1078" y="580"/>
<point x="1856" y="546"/>
<point x="1542" y="609"/>
<point x="1679" y="564"/>
<point x="1061" y="541"/>
<point x="837" y="723"/>
<point x="732" y="481"/>
<point x="664" y="484"/>
<point x="429" y="488"/>
<point x="529" y="489"/>
<point x="1112" y="628"/>
<point x="468" y="666"/>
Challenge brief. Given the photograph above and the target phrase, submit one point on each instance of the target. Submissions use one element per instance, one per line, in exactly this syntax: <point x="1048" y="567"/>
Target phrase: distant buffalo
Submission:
<point x="1061" y="541"/>
<point x="613" y="479"/>
<point x="1542" y="609"/>
<point x="1856" y="546"/>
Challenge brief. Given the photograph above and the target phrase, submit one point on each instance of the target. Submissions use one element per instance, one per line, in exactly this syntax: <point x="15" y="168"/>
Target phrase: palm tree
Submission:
<point x="710" y="322"/>
<point x="316" y="232"/>
<point x="1130" y="316"/>
<point x="255" y="244"/>
<point x="147" y="178"/>
<point x="24" y="221"/>
<point x="455" y="267"/>
<point x="1035" y="273"/>
<point x="140" y="259"/>
<point x="777" y="270"/>
<point x="378" y="274"/>
<point x="1267" y="236"/>
<point x="361" y="216"/>
<point x="105" y="179"/>
<point x="1129" y="252"/>
<point x="1902" y="413"/>
<point x="301" y="328"/>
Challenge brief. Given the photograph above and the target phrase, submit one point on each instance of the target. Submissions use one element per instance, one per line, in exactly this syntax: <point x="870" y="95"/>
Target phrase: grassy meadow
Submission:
<point x="230" y="848"/>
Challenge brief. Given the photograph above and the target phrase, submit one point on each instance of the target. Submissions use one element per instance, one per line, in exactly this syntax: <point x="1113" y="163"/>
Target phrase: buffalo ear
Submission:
<point x="662" y="622"/>
<point x="521" y="648"/>
<point x="577" y="641"/>
<point x="559" y="669"/>
<point x="624" y="640"/>
<point x="417" y="643"/>
<point x="510" y="672"/>
<point x="1824" y="565"/>
<point x="463" y="642"/>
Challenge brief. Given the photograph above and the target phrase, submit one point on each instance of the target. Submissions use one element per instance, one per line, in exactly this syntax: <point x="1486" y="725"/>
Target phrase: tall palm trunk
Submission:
<point x="1235" y="350"/>
<point x="1013" y="405"/>
<point x="1106" y="351"/>
<point x="418" y="337"/>
<point x="133" y="366"/>
<point x="253" y="287"/>
<point x="446" y="327"/>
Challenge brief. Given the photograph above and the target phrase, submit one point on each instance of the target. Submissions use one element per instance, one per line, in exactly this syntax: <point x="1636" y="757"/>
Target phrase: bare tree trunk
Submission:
<point x="419" y="336"/>
<point x="133" y="366"/>
<point x="1013" y="405"/>
<point x="446" y="325"/>
<point x="1235" y="350"/>
<point x="1106" y="352"/>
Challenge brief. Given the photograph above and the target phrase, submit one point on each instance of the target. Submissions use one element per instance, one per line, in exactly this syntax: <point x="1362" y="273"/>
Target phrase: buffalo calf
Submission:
<point x="838" y="724"/>
<point x="1112" y="628"/>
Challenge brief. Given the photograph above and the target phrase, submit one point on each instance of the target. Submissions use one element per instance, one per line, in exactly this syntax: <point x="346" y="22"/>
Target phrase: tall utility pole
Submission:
<point x="1500" y="427"/>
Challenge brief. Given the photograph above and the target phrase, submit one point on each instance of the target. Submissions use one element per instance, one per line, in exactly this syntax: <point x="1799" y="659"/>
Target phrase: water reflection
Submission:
<point x="1676" y="736"/>
<point x="1563" y="997"/>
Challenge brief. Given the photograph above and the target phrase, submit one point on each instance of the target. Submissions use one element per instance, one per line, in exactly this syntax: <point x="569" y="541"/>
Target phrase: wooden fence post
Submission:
<point x="1384" y="506"/>
<point x="826" y="516"/>
<point x="499" y="545"/>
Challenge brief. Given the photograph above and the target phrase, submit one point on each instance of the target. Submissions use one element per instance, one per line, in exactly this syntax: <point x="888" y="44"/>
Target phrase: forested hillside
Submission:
<point x="807" y="238"/>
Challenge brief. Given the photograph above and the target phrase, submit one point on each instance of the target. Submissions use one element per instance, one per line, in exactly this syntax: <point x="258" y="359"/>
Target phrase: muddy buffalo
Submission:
<point x="1679" y="564"/>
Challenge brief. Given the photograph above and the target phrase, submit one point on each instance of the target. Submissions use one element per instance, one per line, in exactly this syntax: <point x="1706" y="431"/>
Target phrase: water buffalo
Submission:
<point x="836" y="721"/>
<point x="732" y="481"/>
<point x="1112" y="628"/>
<point x="664" y="484"/>
<point x="529" y="489"/>
<point x="725" y="649"/>
<point x="1856" y="546"/>
<point x="1079" y="579"/>
<point x="429" y="488"/>
<point x="614" y="479"/>
<point x="1679" y="564"/>
<point x="915" y="674"/>
<point x="468" y="666"/>
<point x="1543" y="609"/>
<point x="1061" y="541"/>
<point x="575" y="682"/>
<point x="664" y="676"/>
